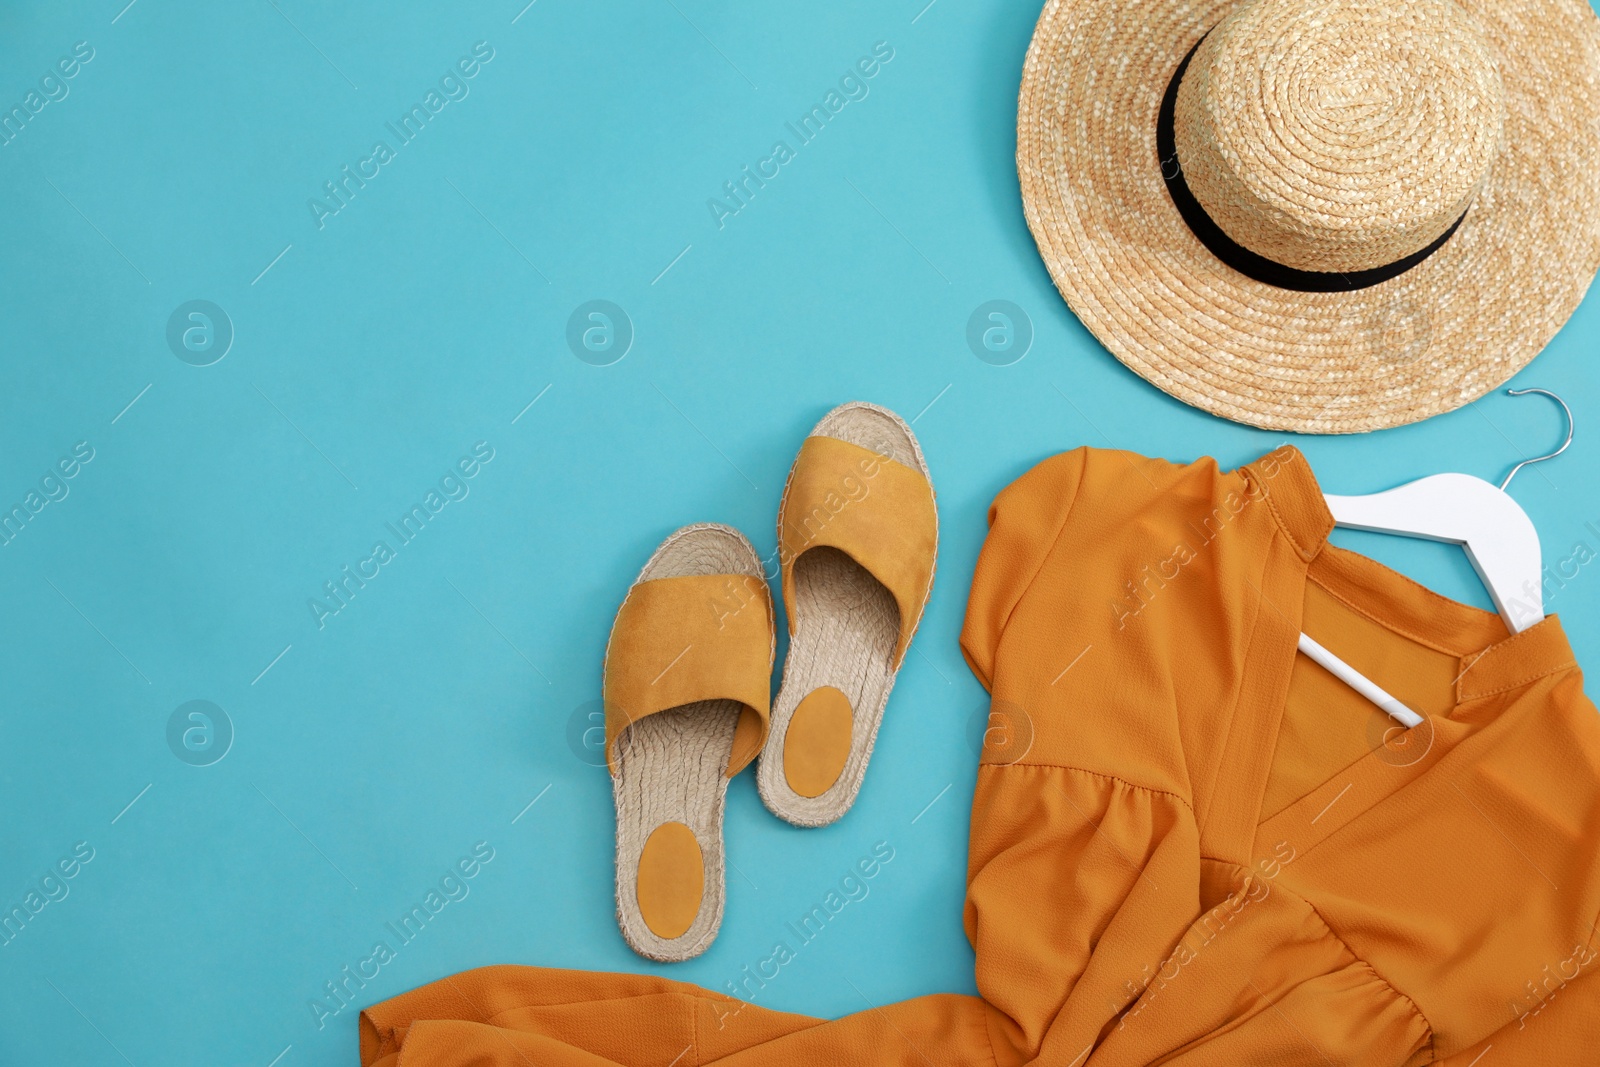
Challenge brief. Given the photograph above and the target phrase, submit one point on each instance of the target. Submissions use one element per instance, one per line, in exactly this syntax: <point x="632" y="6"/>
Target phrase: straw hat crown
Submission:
<point x="1326" y="216"/>
<point x="1339" y="135"/>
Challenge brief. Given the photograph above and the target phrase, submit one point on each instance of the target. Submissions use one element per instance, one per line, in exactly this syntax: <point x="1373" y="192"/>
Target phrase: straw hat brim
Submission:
<point x="1428" y="341"/>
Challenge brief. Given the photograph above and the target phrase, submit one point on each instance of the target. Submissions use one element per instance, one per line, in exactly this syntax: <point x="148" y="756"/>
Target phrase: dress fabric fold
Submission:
<point x="1189" y="845"/>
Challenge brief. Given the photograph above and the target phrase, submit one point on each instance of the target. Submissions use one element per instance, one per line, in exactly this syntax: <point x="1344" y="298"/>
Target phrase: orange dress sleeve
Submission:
<point x="1084" y="862"/>
<point x="1024" y="521"/>
<point x="1149" y="880"/>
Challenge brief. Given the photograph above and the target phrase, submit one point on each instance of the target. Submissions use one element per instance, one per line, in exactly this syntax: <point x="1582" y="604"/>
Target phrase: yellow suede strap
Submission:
<point x="681" y="640"/>
<point x="877" y="511"/>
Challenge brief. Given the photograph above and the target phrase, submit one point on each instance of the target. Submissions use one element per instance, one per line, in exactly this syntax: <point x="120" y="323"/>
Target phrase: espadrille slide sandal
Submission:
<point x="687" y="684"/>
<point x="857" y="536"/>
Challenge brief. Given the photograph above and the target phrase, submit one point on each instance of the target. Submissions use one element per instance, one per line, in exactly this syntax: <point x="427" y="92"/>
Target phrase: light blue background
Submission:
<point x="425" y="316"/>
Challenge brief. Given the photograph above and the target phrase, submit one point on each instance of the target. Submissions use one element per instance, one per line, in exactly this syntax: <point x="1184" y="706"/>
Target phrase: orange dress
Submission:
<point x="1190" y="845"/>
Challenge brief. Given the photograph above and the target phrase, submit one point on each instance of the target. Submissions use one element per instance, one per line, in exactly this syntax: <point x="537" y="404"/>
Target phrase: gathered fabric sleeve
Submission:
<point x="1024" y="522"/>
<point x="1084" y="869"/>
<point x="1079" y="886"/>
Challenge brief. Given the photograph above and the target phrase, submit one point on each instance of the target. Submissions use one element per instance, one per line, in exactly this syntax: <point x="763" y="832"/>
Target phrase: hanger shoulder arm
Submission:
<point x="1500" y="539"/>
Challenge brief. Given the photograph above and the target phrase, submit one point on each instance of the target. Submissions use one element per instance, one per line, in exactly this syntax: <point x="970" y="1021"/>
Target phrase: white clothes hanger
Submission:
<point x="1461" y="509"/>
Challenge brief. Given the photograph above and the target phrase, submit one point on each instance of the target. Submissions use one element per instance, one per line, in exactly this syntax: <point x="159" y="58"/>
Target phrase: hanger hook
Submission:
<point x="1552" y="455"/>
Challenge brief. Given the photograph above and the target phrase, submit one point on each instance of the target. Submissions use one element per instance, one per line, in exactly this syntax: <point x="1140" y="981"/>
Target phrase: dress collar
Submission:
<point x="1492" y="659"/>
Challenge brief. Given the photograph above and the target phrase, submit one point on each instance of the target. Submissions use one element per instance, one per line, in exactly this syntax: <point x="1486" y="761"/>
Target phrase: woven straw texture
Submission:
<point x="671" y="765"/>
<point x="1326" y="136"/>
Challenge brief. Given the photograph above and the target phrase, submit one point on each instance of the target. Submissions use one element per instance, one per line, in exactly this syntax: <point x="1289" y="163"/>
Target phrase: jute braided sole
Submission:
<point x="671" y="766"/>
<point x="845" y="628"/>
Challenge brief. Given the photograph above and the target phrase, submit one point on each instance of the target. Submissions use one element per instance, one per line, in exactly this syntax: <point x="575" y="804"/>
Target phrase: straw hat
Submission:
<point x="1318" y="215"/>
